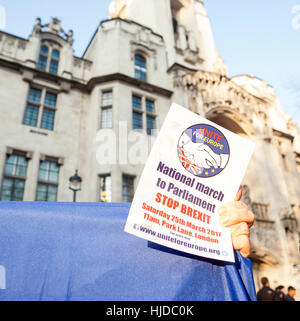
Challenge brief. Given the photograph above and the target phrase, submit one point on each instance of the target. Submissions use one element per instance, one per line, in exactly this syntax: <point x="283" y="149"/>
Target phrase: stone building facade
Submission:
<point x="57" y="109"/>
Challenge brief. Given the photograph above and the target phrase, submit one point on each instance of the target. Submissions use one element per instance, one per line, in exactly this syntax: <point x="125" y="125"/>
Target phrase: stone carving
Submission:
<point x="87" y="65"/>
<point x="288" y="220"/>
<point x="53" y="27"/>
<point x="178" y="77"/>
<point x="37" y="26"/>
<point x="217" y="90"/>
<point x="77" y="62"/>
<point x="22" y="44"/>
<point x="9" y="45"/>
<point x="220" y="66"/>
<point x="261" y="210"/>
<point x="70" y="37"/>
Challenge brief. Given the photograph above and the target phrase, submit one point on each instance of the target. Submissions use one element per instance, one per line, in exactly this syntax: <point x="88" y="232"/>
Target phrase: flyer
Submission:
<point x="194" y="167"/>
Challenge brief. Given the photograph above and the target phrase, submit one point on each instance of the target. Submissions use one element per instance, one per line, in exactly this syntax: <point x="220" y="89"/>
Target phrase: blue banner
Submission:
<point x="79" y="252"/>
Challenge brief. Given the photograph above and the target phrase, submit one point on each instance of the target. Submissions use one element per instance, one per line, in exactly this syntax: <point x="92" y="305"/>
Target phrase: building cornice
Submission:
<point x="87" y="86"/>
<point x="176" y="66"/>
<point x="279" y="133"/>
<point x="12" y="35"/>
<point x="19" y="67"/>
<point x="131" y="81"/>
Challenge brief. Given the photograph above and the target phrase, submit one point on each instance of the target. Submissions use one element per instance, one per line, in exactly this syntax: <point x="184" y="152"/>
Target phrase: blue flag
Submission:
<point x="76" y="252"/>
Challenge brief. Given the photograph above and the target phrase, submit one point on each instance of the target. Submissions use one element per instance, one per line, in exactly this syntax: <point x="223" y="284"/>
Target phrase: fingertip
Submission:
<point x="239" y="194"/>
<point x="242" y="244"/>
<point x="223" y="221"/>
<point x="244" y="253"/>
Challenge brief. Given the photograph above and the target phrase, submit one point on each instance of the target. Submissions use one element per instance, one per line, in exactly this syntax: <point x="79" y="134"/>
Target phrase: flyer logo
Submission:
<point x="203" y="150"/>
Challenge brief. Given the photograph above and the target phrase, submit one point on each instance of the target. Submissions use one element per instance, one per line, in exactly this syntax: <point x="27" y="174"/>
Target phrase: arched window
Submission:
<point x="48" y="59"/>
<point x="44" y="52"/>
<point x="54" y="61"/>
<point x="140" y="67"/>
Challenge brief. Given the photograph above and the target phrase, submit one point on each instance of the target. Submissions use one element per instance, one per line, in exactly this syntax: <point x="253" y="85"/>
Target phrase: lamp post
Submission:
<point x="75" y="184"/>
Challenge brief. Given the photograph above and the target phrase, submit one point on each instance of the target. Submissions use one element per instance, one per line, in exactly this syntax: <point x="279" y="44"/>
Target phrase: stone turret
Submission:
<point x="53" y="27"/>
<point x="184" y="25"/>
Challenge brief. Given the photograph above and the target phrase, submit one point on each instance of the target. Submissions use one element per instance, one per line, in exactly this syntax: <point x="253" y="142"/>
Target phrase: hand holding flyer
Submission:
<point x="195" y="166"/>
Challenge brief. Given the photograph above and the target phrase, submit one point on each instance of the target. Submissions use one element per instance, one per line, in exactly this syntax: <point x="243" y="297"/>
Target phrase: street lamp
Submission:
<point x="75" y="184"/>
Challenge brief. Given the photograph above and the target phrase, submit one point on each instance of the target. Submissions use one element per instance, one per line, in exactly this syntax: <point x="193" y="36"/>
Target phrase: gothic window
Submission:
<point x="151" y="118"/>
<point x="105" y="189"/>
<point x="127" y="188"/>
<point x="14" y="178"/>
<point x="47" y="181"/>
<point x="137" y="114"/>
<point x="261" y="210"/>
<point x="150" y="124"/>
<point x="107" y="110"/>
<point x="150" y="106"/>
<point x="40" y="109"/>
<point x="43" y="58"/>
<point x="143" y="107"/>
<point x="54" y="61"/>
<point x="140" y="67"/>
<point x="175" y="25"/>
<point x="49" y="109"/>
<point x="48" y="59"/>
<point x="32" y="108"/>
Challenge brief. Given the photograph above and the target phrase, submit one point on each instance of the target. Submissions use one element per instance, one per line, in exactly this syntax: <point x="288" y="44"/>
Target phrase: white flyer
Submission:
<point x="193" y="168"/>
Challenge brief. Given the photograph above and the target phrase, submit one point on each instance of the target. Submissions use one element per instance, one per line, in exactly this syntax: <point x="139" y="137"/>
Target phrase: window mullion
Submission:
<point x="41" y="108"/>
<point x="144" y="112"/>
<point x="49" y="59"/>
<point x="47" y="191"/>
<point x="12" y="190"/>
<point x="48" y="168"/>
<point x="15" y="166"/>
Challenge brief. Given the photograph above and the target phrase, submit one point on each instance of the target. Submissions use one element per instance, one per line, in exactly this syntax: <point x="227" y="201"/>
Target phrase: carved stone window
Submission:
<point x="48" y="178"/>
<point x="261" y="210"/>
<point x="49" y="57"/>
<point x="143" y="113"/>
<point x="140" y="67"/>
<point x="14" y="177"/>
<point x="40" y="109"/>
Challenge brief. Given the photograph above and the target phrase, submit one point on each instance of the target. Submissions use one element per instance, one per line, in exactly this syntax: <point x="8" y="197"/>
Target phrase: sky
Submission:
<point x="256" y="37"/>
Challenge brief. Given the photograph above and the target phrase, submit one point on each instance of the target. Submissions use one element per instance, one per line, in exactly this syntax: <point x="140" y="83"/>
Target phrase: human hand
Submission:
<point x="239" y="219"/>
<point x="200" y="154"/>
<point x="211" y="158"/>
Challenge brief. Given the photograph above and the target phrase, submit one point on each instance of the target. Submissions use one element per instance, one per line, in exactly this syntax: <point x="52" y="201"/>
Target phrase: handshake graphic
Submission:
<point x="201" y="154"/>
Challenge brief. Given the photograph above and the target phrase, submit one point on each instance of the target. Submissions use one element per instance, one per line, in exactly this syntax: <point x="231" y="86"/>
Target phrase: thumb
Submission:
<point x="239" y="194"/>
